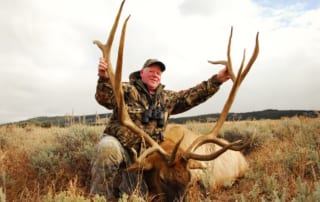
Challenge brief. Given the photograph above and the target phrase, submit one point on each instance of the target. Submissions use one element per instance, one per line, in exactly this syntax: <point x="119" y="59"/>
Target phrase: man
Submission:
<point x="149" y="106"/>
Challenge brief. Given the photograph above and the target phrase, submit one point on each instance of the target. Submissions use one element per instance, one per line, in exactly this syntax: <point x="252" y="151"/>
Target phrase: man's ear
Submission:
<point x="141" y="72"/>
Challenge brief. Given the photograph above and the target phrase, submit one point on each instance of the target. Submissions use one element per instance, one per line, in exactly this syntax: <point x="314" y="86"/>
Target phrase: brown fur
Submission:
<point x="223" y="170"/>
<point x="170" y="181"/>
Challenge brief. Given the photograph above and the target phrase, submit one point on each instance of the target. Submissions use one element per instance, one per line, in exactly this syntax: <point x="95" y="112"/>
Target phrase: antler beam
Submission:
<point x="116" y="84"/>
<point x="237" y="80"/>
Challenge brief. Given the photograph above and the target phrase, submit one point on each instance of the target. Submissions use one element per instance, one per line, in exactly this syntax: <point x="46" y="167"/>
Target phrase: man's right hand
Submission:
<point x="102" y="69"/>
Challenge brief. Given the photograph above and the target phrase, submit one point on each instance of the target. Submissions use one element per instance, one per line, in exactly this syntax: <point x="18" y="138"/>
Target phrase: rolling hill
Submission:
<point x="97" y="119"/>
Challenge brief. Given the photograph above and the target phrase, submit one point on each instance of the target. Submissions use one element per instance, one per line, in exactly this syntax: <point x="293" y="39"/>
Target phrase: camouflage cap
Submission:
<point x="153" y="61"/>
<point x="136" y="75"/>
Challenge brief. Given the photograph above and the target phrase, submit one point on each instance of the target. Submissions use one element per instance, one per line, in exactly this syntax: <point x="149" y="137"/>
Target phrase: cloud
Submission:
<point x="48" y="62"/>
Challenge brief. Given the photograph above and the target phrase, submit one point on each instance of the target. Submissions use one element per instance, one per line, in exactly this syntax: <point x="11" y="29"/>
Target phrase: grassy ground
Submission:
<point x="53" y="164"/>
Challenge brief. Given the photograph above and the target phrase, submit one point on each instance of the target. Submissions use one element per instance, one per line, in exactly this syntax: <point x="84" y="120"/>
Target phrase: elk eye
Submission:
<point x="162" y="178"/>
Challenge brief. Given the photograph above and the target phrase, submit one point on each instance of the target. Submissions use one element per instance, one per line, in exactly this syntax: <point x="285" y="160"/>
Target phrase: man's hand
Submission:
<point x="102" y="69"/>
<point x="223" y="75"/>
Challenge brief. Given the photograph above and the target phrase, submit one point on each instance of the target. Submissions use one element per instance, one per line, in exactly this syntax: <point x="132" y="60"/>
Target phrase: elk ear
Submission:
<point x="194" y="164"/>
<point x="145" y="165"/>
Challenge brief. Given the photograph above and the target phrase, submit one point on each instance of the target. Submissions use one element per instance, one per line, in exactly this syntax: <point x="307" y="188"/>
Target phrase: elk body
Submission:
<point x="223" y="170"/>
<point x="170" y="167"/>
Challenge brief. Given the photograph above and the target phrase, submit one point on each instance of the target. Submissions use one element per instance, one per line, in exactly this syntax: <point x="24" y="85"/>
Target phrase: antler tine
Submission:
<point x="208" y="157"/>
<point x="236" y="84"/>
<point x="229" y="66"/>
<point x="106" y="48"/>
<point x="235" y="146"/>
<point x="227" y="63"/>
<point x="118" y="91"/>
<point x="252" y="59"/>
<point x="174" y="151"/>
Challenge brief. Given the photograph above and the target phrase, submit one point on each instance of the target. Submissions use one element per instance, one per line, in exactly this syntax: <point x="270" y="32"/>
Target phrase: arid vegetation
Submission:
<point x="53" y="164"/>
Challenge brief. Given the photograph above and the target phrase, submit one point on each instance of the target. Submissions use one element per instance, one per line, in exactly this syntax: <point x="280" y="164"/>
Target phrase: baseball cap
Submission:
<point x="147" y="63"/>
<point x="153" y="61"/>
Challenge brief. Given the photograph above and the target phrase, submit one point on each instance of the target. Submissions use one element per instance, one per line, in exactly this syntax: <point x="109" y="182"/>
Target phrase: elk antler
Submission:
<point x="237" y="80"/>
<point x="115" y="79"/>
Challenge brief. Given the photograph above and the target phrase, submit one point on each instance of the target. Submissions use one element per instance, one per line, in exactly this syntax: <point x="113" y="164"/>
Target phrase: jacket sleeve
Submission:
<point x="104" y="93"/>
<point x="187" y="99"/>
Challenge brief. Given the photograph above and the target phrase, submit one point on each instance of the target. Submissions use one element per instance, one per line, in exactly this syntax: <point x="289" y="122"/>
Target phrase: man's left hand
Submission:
<point x="223" y="75"/>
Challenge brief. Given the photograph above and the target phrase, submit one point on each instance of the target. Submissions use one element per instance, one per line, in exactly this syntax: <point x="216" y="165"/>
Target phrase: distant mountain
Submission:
<point x="98" y="119"/>
<point x="63" y="121"/>
<point x="255" y="115"/>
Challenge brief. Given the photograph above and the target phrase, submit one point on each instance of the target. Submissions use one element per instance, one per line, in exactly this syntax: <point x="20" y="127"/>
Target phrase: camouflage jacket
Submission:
<point x="162" y="104"/>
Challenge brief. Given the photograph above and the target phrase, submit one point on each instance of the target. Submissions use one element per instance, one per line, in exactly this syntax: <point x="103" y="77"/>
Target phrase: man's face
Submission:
<point x="151" y="76"/>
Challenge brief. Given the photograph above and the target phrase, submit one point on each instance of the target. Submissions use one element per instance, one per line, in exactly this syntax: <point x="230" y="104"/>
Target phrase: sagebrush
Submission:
<point x="53" y="164"/>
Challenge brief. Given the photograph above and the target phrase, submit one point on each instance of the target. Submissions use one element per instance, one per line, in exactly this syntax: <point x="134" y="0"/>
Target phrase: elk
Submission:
<point x="169" y="167"/>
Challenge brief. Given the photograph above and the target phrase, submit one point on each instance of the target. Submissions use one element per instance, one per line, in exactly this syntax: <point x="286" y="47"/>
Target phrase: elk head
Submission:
<point x="165" y="166"/>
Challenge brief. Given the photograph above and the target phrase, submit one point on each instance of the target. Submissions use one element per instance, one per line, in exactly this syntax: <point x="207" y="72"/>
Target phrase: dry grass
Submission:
<point x="53" y="164"/>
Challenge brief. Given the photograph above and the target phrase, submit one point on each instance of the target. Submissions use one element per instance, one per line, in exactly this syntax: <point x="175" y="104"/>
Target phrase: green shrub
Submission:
<point x="78" y="142"/>
<point x="67" y="196"/>
<point x="67" y="157"/>
<point x="305" y="193"/>
<point x="46" y="161"/>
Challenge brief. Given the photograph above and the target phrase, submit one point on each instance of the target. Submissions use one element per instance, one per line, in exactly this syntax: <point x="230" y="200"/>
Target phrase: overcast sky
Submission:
<point x="49" y="63"/>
